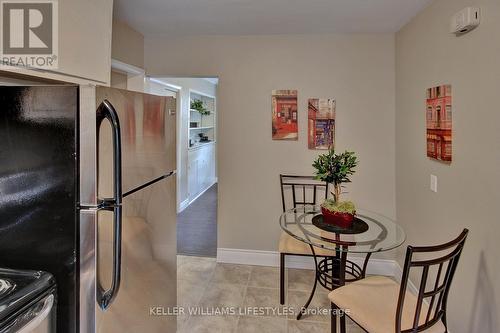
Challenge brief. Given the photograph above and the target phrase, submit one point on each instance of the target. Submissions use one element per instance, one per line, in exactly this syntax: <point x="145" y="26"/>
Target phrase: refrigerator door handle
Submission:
<point x="106" y="297"/>
<point x="107" y="111"/>
<point x="151" y="182"/>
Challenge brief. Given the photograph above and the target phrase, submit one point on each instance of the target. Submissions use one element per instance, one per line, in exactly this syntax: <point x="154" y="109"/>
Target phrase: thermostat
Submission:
<point x="465" y="20"/>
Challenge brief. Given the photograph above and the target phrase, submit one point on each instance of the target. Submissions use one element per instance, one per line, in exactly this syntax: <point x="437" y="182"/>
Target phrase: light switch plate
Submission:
<point x="434" y="183"/>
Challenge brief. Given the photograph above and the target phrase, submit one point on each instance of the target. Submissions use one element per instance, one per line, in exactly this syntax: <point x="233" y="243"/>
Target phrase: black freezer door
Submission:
<point x="38" y="187"/>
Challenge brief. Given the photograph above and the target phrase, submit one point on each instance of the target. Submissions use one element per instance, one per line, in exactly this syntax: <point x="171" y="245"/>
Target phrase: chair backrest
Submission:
<point x="444" y="258"/>
<point x="301" y="190"/>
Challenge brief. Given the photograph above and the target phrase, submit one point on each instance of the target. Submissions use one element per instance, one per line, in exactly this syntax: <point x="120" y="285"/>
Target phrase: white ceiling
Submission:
<point x="262" y="17"/>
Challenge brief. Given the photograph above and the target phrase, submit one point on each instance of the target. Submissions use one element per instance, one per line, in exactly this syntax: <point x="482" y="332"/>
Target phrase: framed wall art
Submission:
<point x="321" y="123"/>
<point x="284" y="111"/>
<point x="439" y="116"/>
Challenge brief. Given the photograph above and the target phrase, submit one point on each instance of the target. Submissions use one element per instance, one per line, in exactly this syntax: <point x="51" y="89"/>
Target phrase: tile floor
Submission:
<point x="204" y="283"/>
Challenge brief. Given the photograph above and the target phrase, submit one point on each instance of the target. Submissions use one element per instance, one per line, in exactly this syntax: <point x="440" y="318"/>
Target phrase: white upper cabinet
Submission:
<point x="85" y="38"/>
<point x="84" y="43"/>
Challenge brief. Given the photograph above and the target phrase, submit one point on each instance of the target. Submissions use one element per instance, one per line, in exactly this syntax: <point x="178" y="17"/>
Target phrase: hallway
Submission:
<point x="197" y="226"/>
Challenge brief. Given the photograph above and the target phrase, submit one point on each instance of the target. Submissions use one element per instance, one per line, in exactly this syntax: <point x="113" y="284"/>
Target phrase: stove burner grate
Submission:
<point x="6" y="286"/>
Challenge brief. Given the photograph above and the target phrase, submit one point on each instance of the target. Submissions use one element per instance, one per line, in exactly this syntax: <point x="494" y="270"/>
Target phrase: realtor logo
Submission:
<point x="29" y="33"/>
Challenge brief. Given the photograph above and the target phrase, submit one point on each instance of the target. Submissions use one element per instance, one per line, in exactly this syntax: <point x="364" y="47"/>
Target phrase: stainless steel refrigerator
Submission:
<point x="87" y="193"/>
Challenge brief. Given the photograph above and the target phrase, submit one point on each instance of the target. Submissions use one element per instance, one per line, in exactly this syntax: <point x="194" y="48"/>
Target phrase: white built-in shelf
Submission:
<point x="200" y="144"/>
<point x="201" y="128"/>
<point x="207" y="124"/>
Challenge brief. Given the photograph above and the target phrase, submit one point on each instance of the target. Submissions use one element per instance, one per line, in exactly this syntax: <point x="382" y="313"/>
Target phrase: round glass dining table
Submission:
<point x="330" y="245"/>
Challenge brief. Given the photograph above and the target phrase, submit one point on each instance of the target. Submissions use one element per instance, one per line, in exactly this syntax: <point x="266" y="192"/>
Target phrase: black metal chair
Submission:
<point x="297" y="191"/>
<point x="381" y="305"/>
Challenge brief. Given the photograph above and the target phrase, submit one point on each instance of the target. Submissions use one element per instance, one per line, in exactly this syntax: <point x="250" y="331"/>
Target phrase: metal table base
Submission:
<point x="331" y="274"/>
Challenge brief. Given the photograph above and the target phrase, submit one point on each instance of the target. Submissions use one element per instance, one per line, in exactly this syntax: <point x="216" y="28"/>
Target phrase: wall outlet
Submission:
<point x="434" y="183"/>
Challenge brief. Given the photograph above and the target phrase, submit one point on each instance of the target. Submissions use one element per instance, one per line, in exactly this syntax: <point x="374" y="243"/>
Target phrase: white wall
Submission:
<point x="358" y="70"/>
<point x="468" y="189"/>
<point x="185" y="85"/>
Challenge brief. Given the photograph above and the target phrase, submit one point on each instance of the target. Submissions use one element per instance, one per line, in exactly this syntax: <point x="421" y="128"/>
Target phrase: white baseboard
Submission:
<point x="191" y="200"/>
<point x="411" y="286"/>
<point x="248" y="257"/>
<point x="183" y="205"/>
<point x="271" y="258"/>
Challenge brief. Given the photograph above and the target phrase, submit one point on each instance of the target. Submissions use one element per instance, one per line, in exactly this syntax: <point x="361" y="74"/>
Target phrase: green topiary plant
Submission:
<point x="335" y="169"/>
<point x="197" y="105"/>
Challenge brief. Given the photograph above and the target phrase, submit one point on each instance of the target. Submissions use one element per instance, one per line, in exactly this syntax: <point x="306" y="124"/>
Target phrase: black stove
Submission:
<point x="6" y="286"/>
<point x="18" y="289"/>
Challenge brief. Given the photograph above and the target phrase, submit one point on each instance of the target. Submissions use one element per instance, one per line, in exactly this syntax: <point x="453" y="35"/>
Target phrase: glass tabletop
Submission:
<point x="374" y="232"/>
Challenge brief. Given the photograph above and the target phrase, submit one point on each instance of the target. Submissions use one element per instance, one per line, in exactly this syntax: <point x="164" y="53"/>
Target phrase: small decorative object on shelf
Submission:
<point x="197" y="104"/>
<point x="203" y="137"/>
<point x="336" y="169"/>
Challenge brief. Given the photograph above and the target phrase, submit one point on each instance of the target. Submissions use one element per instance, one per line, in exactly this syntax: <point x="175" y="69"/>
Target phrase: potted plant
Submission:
<point x="336" y="169"/>
<point x="197" y="105"/>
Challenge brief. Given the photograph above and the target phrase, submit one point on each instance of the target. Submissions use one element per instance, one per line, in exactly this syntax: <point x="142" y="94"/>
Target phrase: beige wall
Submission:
<point x="127" y="45"/>
<point x="357" y="70"/>
<point x="468" y="189"/>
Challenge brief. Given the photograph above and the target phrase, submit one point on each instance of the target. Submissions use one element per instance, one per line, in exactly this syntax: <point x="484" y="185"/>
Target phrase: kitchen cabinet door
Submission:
<point x="85" y="39"/>
<point x="193" y="184"/>
<point x="201" y="170"/>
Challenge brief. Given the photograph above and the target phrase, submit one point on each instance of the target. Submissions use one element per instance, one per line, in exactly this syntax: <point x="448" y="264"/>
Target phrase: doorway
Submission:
<point x="196" y="162"/>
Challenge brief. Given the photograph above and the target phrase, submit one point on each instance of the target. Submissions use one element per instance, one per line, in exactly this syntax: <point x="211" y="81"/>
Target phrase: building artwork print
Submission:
<point x="321" y="123"/>
<point x="439" y="123"/>
<point x="284" y="104"/>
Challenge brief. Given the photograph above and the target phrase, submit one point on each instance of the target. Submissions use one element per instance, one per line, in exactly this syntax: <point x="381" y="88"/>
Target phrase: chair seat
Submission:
<point x="372" y="303"/>
<point x="291" y="245"/>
